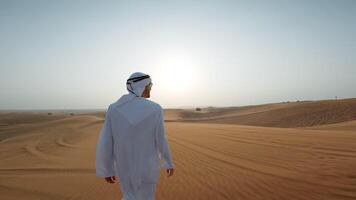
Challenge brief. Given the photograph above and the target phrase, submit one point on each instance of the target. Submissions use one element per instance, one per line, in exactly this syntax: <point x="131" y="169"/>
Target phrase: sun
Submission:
<point x="176" y="74"/>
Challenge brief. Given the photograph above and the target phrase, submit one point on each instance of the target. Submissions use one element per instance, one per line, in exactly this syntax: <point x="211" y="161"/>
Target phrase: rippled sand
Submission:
<point x="52" y="157"/>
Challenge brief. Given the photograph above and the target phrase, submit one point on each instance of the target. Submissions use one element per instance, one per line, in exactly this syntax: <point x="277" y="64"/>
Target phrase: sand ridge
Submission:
<point x="291" y="114"/>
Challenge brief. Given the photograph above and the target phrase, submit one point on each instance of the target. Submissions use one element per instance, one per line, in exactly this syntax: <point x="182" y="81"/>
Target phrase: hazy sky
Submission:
<point x="57" y="54"/>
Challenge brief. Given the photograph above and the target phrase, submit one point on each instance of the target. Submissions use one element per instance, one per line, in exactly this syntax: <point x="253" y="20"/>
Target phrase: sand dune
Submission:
<point x="293" y="114"/>
<point x="52" y="157"/>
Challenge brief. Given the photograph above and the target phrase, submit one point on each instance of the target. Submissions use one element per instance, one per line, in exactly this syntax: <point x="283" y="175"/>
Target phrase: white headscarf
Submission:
<point x="139" y="86"/>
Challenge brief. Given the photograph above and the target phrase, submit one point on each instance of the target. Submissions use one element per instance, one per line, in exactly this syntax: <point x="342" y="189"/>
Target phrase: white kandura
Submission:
<point x="132" y="144"/>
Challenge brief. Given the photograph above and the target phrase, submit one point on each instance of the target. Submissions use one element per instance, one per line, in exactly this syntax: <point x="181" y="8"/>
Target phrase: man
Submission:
<point x="132" y="143"/>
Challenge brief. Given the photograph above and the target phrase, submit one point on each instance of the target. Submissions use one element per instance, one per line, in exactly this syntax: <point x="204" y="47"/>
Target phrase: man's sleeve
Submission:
<point x="104" y="150"/>
<point x="162" y="144"/>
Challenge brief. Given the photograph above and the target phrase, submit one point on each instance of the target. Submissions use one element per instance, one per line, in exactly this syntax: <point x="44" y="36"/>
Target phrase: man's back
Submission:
<point x="134" y="127"/>
<point x="131" y="144"/>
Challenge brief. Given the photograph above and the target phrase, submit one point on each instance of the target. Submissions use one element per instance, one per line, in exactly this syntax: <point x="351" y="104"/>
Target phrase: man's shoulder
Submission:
<point x="152" y="104"/>
<point x="143" y="102"/>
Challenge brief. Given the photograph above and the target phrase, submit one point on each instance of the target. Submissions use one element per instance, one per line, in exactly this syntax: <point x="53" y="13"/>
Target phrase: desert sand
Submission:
<point x="297" y="150"/>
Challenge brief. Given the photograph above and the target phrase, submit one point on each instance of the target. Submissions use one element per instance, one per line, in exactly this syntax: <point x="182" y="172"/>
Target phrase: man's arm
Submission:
<point x="162" y="145"/>
<point x="104" y="150"/>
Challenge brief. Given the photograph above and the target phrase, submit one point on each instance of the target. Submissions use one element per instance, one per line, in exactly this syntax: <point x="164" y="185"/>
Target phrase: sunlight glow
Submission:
<point x="176" y="73"/>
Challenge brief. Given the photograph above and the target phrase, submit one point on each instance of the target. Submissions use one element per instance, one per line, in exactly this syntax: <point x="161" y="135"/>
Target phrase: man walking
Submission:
<point x="132" y="144"/>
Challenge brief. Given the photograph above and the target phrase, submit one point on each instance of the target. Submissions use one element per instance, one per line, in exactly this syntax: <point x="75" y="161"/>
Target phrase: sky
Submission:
<point x="78" y="54"/>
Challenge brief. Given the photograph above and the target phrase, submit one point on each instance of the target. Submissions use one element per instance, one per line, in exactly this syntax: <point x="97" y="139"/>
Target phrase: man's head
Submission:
<point x="139" y="84"/>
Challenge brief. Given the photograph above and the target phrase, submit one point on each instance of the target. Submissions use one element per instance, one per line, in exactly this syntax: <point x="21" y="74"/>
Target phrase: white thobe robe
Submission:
<point x="132" y="146"/>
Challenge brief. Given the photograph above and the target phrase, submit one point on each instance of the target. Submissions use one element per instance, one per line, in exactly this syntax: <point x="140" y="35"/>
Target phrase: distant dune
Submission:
<point x="52" y="156"/>
<point x="293" y="114"/>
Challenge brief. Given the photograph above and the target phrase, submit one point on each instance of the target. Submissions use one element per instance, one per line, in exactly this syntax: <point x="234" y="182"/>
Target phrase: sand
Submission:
<point x="287" y="114"/>
<point x="53" y="156"/>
